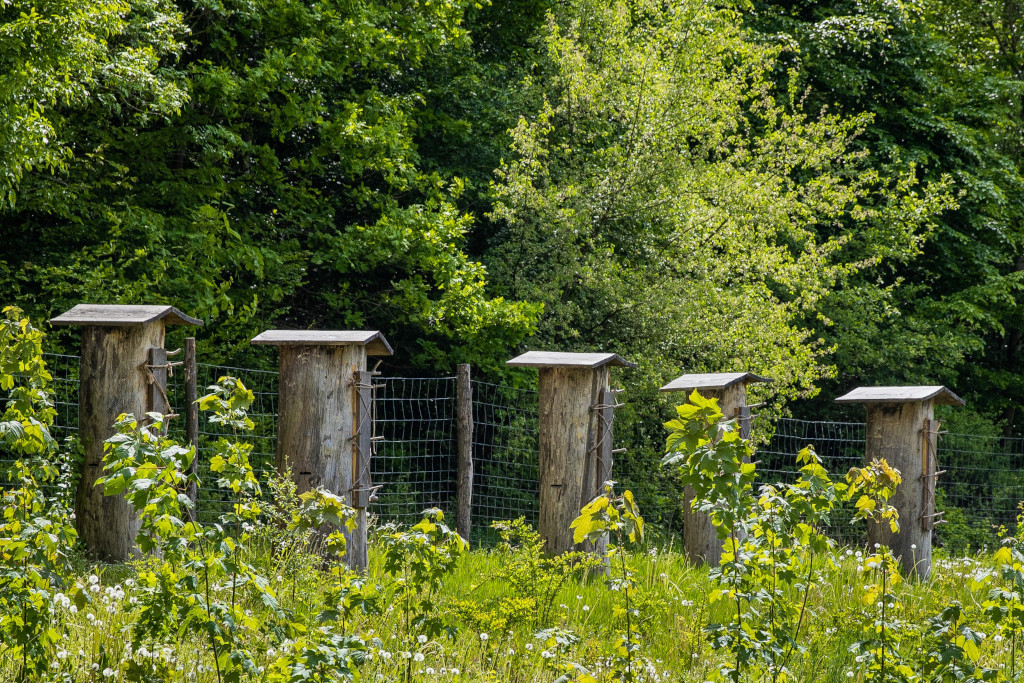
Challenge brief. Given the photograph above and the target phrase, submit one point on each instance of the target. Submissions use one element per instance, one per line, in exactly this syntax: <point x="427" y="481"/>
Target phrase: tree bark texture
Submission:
<point x="192" y="416"/>
<point x="114" y="380"/>
<point x="700" y="538"/>
<point x="464" y="426"/>
<point x="317" y="406"/>
<point x="570" y="448"/>
<point x="896" y="432"/>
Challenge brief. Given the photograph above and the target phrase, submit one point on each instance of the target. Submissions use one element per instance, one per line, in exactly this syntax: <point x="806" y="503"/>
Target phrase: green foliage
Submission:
<point x="289" y="188"/>
<point x="534" y="580"/>
<point x="58" y="56"/>
<point x="615" y="518"/>
<point x="37" y="533"/>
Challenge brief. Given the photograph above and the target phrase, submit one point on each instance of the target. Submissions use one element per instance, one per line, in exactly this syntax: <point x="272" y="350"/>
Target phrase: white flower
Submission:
<point x="484" y="637"/>
<point x="93" y="579"/>
<point x="108" y="672"/>
<point x="421" y="638"/>
<point x="418" y="657"/>
<point x="529" y="646"/>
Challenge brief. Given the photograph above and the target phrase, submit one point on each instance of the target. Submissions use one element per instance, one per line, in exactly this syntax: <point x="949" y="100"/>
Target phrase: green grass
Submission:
<point x="673" y="612"/>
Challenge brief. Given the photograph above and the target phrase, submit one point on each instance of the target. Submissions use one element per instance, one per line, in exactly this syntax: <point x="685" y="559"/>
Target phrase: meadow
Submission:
<point x="265" y="593"/>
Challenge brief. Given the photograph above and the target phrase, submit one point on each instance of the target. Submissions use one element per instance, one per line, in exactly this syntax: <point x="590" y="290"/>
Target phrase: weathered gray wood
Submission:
<point x="464" y="427"/>
<point x="114" y="380"/>
<point x="362" y="459"/>
<point x="316" y="408"/>
<point x="937" y="394"/>
<point x="192" y="415"/>
<point x="897" y="433"/>
<point x="558" y="359"/>
<point x="122" y="316"/>
<point x="567" y="444"/>
<point x="157" y="365"/>
<point x="374" y="341"/>
<point x="712" y="380"/>
<point x="700" y="538"/>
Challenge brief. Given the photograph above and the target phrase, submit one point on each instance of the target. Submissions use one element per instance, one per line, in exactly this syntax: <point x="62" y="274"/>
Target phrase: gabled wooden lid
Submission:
<point x="559" y="359"/>
<point x="103" y="315"/>
<point x="938" y="394"/>
<point x="712" y="380"/>
<point x="374" y="341"/>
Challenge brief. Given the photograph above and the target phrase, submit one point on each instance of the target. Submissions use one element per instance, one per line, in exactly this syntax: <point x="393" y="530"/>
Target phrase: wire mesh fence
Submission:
<point x="416" y="462"/>
<point x="506" y="476"/>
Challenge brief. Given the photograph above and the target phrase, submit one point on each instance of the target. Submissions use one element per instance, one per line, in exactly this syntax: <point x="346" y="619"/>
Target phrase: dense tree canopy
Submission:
<point x="824" y="191"/>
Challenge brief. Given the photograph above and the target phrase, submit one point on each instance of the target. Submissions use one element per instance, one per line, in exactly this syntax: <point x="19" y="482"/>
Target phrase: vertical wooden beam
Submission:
<point x="464" y="427"/>
<point x="156" y="363"/>
<point x="700" y="538"/>
<point x="362" y="461"/>
<point x="114" y="380"/>
<point x="192" y="416"/>
<point x="898" y="433"/>
<point x="317" y="406"/>
<point x="568" y="448"/>
<point x="900" y="430"/>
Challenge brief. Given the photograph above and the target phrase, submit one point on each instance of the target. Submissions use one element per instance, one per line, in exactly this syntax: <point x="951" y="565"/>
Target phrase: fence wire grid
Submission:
<point x="416" y="461"/>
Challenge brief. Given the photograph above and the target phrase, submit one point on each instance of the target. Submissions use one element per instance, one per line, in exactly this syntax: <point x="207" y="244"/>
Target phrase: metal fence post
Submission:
<point x="464" y="427"/>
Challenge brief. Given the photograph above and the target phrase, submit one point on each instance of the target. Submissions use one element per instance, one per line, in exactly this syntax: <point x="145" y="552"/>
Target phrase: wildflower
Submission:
<point x="484" y="637"/>
<point x="421" y="638"/>
<point x="418" y="657"/>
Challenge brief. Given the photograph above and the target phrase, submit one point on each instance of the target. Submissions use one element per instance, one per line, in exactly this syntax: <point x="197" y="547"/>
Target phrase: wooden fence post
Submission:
<point x="901" y="428"/>
<point x="115" y="379"/>
<point x="700" y="539"/>
<point x="575" y="436"/>
<point x="325" y="421"/>
<point x="192" y="417"/>
<point x="464" y="426"/>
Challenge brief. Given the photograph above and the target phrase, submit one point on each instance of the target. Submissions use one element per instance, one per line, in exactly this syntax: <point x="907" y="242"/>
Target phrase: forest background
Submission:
<point x="830" y="194"/>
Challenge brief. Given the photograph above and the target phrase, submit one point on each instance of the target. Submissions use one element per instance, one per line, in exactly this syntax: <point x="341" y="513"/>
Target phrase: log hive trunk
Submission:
<point x="569" y="448"/>
<point x="896" y="433"/>
<point x="113" y="381"/>
<point x="700" y="538"/>
<point x="317" y="410"/>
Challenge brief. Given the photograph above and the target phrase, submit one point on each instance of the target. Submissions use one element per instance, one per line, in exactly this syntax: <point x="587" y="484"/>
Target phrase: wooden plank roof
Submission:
<point x="560" y="359"/>
<point x="937" y="393"/>
<point x="712" y="380"/>
<point x="373" y="340"/>
<point x="112" y="315"/>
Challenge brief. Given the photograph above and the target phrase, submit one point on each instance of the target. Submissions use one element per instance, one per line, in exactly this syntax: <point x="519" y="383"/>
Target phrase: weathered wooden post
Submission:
<point x="901" y="428"/>
<point x="700" y="540"/>
<point x="116" y="377"/>
<point x="325" y="416"/>
<point x="464" y="429"/>
<point x="575" y="423"/>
